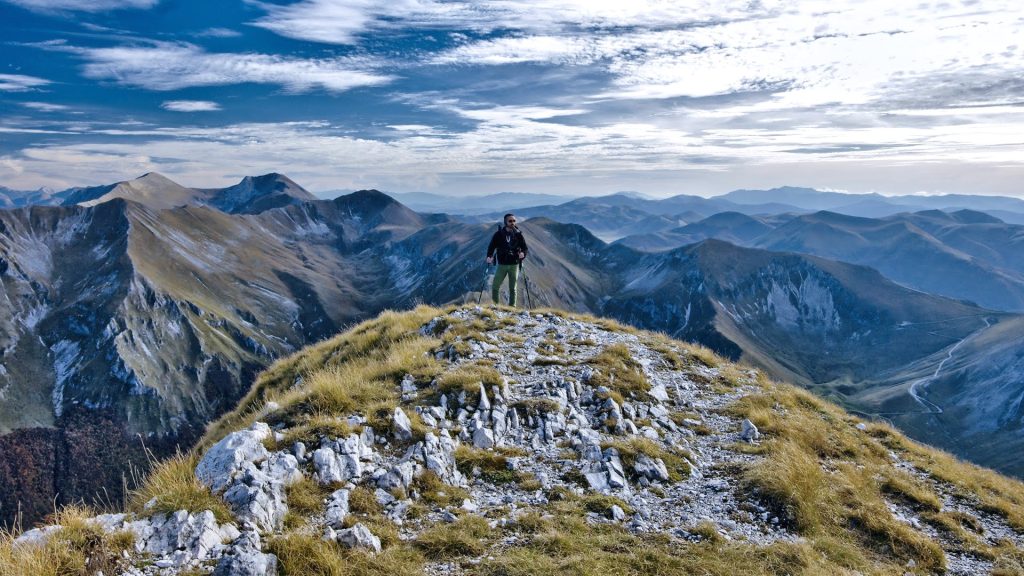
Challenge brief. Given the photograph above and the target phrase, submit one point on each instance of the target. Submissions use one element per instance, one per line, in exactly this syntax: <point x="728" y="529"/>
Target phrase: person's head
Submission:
<point x="510" y="220"/>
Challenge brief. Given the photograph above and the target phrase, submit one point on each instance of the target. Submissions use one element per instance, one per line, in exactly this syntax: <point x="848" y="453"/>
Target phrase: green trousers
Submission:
<point x="512" y="271"/>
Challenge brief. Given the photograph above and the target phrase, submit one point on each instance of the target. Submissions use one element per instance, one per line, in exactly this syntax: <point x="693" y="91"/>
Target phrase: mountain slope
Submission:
<point x="874" y="205"/>
<point x="471" y="441"/>
<point x="815" y="318"/>
<point x="934" y="254"/>
<point x="253" y="194"/>
<point x="156" y="320"/>
<point x="152" y="189"/>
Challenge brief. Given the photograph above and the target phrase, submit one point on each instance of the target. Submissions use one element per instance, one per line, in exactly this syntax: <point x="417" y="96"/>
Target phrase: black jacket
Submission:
<point x="507" y="245"/>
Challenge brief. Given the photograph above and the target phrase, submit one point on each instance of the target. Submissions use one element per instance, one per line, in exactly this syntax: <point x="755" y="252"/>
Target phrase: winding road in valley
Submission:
<point x="920" y="386"/>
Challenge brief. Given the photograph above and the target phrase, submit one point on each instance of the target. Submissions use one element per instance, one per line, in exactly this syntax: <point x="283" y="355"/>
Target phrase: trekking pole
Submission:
<point x="483" y="286"/>
<point x="526" y="283"/>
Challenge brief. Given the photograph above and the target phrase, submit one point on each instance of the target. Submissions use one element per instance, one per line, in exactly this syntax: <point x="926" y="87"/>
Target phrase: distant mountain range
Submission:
<point x="474" y="205"/>
<point x="618" y="215"/>
<point x="965" y="254"/>
<point x="146" y="310"/>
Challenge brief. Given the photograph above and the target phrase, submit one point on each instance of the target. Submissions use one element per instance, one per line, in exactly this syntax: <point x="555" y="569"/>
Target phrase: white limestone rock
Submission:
<point x="439" y="457"/>
<point x="180" y="537"/>
<point x="749" y="432"/>
<point x="257" y="497"/>
<point x="246" y="558"/>
<point x="225" y="459"/>
<point x="650" y="468"/>
<point x="402" y="426"/>
<point x="398" y="476"/>
<point x="483" y="438"/>
<point x="37" y="536"/>
<point x="617" y="513"/>
<point x="358" y="536"/>
<point x="337" y="507"/>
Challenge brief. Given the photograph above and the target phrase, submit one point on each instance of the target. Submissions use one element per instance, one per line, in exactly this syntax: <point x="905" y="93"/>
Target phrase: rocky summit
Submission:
<point x="496" y="441"/>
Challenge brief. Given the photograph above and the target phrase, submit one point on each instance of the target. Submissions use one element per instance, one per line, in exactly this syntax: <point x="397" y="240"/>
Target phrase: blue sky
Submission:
<point x="564" y="96"/>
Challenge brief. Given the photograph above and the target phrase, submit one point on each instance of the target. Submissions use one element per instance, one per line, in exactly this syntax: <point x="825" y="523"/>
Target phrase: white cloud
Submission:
<point x="20" y="83"/>
<point x="44" y="106"/>
<point x="813" y="53"/>
<point x="523" y="144"/>
<point x="82" y="5"/>
<point x="343" y="21"/>
<point x="190" y="106"/>
<point x="172" y="66"/>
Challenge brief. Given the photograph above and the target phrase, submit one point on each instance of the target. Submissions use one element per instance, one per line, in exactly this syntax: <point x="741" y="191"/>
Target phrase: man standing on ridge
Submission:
<point x="509" y="246"/>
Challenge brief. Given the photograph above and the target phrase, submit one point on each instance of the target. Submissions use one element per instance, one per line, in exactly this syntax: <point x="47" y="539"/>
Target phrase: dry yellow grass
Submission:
<point x="368" y="344"/>
<point x="79" y="548"/>
<point x="172" y="486"/>
<point x="616" y="369"/>
<point x="309" y="555"/>
<point x="467" y="536"/>
<point x="831" y="482"/>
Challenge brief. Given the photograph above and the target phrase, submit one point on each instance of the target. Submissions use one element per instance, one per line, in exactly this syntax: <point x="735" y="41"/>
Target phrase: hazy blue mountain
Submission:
<point x="474" y="205"/>
<point x="874" y="205"/>
<point x="10" y="198"/>
<point x="732" y="227"/>
<point x="930" y="251"/>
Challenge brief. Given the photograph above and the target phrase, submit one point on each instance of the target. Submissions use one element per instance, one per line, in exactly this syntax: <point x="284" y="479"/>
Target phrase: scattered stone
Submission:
<point x="650" y="468"/>
<point x="617" y="513"/>
<point x="358" y="536"/>
<point x="483" y="438"/>
<point x="402" y="425"/>
<point x="337" y="507"/>
<point x="257" y="496"/>
<point x="749" y="432"/>
<point x="246" y="558"/>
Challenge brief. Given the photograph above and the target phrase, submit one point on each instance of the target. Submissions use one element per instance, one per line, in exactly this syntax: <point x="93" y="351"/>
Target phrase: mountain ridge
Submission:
<point x="492" y="441"/>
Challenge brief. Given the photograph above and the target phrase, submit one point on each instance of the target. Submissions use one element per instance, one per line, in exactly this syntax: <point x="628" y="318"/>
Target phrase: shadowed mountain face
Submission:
<point x="150" y="322"/>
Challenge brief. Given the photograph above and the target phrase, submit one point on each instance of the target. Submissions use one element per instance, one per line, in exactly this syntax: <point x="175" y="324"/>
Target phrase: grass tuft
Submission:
<point x="465" y="537"/>
<point x="309" y="555"/>
<point x="620" y="372"/>
<point x="172" y="486"/>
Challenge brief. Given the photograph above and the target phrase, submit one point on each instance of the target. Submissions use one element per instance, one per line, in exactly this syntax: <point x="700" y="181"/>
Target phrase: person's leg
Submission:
<point x="499" y="277"/>
<point x="513" y="284"/>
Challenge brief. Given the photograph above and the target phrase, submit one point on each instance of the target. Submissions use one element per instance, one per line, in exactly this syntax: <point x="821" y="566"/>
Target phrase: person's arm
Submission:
<point x="522" y="246"/>
<point x="493" y="246"/>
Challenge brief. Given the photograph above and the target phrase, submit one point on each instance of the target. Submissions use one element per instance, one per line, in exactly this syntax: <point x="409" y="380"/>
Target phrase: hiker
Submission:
<point x="509" y="246"/>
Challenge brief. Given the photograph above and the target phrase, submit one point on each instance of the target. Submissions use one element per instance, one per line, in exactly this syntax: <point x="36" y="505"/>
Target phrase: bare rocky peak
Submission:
<point x="152" y="189"/>
<point x="255" y="194"/>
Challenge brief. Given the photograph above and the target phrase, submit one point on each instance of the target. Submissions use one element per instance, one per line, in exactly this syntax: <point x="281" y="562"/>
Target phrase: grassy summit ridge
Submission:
<point x="820" y="492"/>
